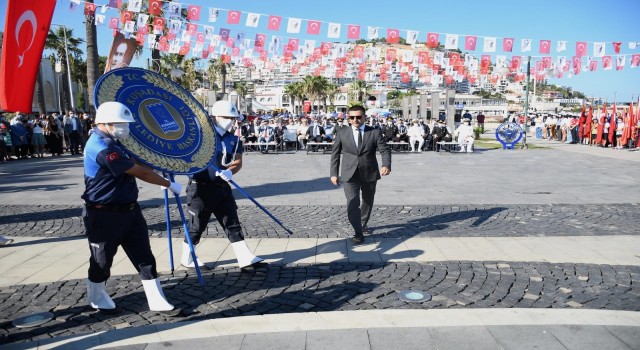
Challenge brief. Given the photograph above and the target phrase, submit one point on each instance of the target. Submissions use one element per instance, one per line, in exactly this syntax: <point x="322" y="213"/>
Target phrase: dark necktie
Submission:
<point x="359" y="139"/>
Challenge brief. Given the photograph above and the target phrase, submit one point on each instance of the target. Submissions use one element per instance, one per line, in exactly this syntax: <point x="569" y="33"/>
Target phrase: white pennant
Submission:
<point x="372" y="33"/>
<point x="252" y="20"/>
<point x="412" y="37"/>
<point x="334" y="30"/>
<point x="525" y="45"/>
<point x="213" y="14"/>
<point x="489" y="44"/>
<point x="451" y="42"/>
<point x="293" y="26"/>
<point x="562" y="46"/>
<point x="598" y="49"/>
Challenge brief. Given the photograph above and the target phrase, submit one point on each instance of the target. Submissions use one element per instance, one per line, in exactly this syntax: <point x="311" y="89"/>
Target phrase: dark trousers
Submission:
<point x="74" y="141"/>
<point x="106" y="230"/>
<point x="204" y="199"/>
<point x="359" y="213"/>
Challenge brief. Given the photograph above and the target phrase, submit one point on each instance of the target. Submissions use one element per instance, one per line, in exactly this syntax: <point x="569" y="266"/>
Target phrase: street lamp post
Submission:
<point x="526" y="104"/>
<point x="66" y="53"/>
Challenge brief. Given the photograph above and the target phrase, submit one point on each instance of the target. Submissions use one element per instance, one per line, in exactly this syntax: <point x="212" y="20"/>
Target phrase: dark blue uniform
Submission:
<point x="112" y="216"/>
<point x="209" y="194"/>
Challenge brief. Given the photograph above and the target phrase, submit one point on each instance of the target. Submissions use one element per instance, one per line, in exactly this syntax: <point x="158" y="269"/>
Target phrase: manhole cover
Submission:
<point x="33" y="320"/>
<point x="414" y="296"/>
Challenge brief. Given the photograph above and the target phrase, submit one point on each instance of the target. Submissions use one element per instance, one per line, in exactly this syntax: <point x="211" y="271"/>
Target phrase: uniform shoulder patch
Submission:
<point x="112" y="156"/>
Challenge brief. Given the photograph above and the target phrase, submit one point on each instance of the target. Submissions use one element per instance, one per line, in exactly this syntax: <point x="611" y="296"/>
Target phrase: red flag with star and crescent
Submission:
<point x="603" y="119"/>
<point x="25" y="31"/>
<point x="587" y="131"/>
<point x="628" y="126"/>
<point x="613" y="124"/>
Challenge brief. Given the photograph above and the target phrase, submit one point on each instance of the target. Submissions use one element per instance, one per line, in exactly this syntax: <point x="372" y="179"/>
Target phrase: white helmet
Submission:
<point x="113" y="112"/>
<point x="224" y="109"/>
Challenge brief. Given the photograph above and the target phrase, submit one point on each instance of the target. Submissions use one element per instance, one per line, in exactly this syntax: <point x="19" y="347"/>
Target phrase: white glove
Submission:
<point x="174" y="187"/>
<point x="226" y="175"/>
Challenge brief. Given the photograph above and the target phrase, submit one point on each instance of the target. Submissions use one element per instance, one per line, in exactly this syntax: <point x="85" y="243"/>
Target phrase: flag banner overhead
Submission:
<point x="25" y="32"/>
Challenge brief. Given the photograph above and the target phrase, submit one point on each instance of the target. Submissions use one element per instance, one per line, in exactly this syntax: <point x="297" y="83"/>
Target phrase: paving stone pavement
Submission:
<point x="325" y="287"/>
<point x="387" y="221"/>
<point x="487" y="194"/>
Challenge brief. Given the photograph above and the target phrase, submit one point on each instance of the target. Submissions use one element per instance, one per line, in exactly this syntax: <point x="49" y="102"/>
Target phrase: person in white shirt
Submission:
<point x="416" y="134"/>
<point x="465" y="136"/>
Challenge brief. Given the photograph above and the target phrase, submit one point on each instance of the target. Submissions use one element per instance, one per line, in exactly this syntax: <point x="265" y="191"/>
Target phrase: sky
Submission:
<point x="571" y="20"/>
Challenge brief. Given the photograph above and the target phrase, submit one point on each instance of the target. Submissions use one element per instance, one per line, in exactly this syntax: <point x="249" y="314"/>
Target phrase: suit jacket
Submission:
<point x="361" y="159"/>
<point x="320" y="130"/>
<point x="68" y="127"/>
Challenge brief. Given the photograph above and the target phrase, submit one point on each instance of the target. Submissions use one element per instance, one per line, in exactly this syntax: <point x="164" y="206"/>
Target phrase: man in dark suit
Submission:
<point x="73" y="128"/>
<point x="358" y="144"/>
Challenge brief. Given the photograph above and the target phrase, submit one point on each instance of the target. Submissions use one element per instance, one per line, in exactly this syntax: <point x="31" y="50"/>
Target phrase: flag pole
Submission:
<point x="526" y="104"/>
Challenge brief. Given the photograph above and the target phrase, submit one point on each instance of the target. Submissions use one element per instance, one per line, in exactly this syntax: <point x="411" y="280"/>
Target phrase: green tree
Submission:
<point x="56" y="43"/>
<point x="295" y="91"/>
<point x="314" y="87"/>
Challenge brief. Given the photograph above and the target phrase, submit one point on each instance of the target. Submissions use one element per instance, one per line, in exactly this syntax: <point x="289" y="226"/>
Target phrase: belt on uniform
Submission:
<point x="113" y="207"/>
<point x="208" y="183"/>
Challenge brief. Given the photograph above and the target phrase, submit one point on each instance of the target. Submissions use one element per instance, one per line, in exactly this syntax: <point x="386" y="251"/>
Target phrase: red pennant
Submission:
<point x="313" y="27"/>
<point x="200" y="37"/>
<point x="21" y="51"/>
<point x="260" y="39"/>
<point x="393" y="36"/>
<point x="191" y="28"/>
<point x="454" y="58"/>
<point x="515" y="62"/>
<point x="576" y="61"/>
<point x="294" y="44"/>
<point x="159" y="22"/>
<point x="581" y="48"/>
<point x="89" y="9"/>
<point x="432" y="40"/>
<point x="126" y="16"/>
<point x="274" y="22"/>
<point x="233" y="17"/>
<point x="616" y="46"/>
<point x="358" y="51"/>
<point x="144" y="30"/>
<point x="606" y="62"/>
<point x="114" y="23"/>
<point x="593" y="65"/>
<point x="507" y="44"/>
<point x="353" y="32"/>
<point x="224" y="34"/>
<point x="546" y="62"/>
<point x="470" y="43"/>
<point x="235" y="52"/>
<point x="193" y="13"/>
<point x="263" y="55"/>
<point x="545" y="46"/>
<point x="205" y="54"/>
<point x="155" y="7"/>
<point x="485" y="61"/>
<point x="390" y="55"/>
<point x="231" y="42"/>
<point x="384" y="77"/>
<point x="325" y="48"/>
<point x="423" y="57"/>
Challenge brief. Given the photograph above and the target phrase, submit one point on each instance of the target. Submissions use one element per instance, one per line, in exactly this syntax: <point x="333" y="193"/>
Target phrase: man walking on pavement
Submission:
<point x="112" y="216"/>
<point x="358" y="145"/>
<point x="209" y="192"/>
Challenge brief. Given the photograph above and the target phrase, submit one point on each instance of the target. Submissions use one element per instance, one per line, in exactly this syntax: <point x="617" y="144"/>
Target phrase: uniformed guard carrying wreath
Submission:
<point x="112" y="216"/>
<point x="209" y="192"/>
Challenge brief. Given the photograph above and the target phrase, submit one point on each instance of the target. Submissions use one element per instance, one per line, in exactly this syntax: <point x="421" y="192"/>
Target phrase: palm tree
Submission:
<point x="359" y="89"/>
<point x="296" y="93"/>
<point x="93" y="61"/>
<point x="331" y="91"/>
<point x="314" y="87"/>
<point x="56" y="43"/>
<point x="218" y="67"/>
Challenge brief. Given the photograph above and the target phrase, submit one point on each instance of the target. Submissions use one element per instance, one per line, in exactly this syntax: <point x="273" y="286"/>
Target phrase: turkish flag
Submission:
<point x="423" y="57"/>
<point x="353" y="32"/>
<point x="454" y="58"/>
<point x="606" y="62"/>
<point x="390" y="55"/>
<point x="260" y="39"/>
<point x="89" y="9"/>
<point x="635" y="60"/>
<point x="193" y="13"/>
<point x="159" y="23"/>
<point x="126" y="16"/>
<point x="358" y="51"/>
<point x="432" y="40"/>
<point x="546" y="62"/>
<point x="545" y="46"/>
<point x="25" y="31"/>
<point x="274" y="22"/>
<point x="233" y="17"/>
<point x="231" y="42"/>
<point x="507" y="44"/>
<point x="515" y="62"/>
<point x="485" y="61"/>
<point x="325" y="48"/>
<point x="587" y="130"/>
<point x="313" y="27"/>
<point x="470" y="43"/>
<point x="384" y="77"/>
<point x="293" y="44"/>
<point x="191" y="28"/>
<point x="613" y="125"/>
<point x="393" y="36"/>
<point x="593" y="65"/>
<point x="616" y="46"/>
<point x="263" y="55"/>
<point x="581" y="48"/>
<point x="155" y="7"/>
<point x="577" y="61"/>
<point x="114" y="23"/>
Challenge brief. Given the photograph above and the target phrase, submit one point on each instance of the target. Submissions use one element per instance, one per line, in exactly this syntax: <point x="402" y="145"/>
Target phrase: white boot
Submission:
<point x="187" y="260"/>
<point x="155" y="296"/>
<point x="98" y="296"/>
<point x="244" y="256"/>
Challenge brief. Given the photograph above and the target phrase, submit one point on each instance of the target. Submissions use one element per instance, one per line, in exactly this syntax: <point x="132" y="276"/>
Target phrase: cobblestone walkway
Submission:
<point x="387" y="221"/>
<point x="326" y="287"/>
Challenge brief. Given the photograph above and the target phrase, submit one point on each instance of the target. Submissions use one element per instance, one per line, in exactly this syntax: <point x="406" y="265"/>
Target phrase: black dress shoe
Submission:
<point x="255" y="266"/>
<point x="357" y="239"/>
